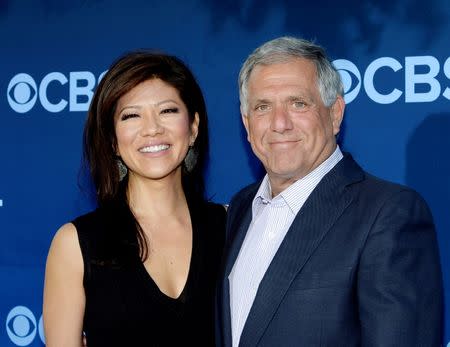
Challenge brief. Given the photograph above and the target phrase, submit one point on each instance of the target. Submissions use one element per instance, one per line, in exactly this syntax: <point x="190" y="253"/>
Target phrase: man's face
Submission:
<point x="288" y="126"/>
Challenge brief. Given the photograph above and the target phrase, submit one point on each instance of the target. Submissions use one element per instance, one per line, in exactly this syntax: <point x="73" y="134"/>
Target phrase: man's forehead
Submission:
<point x="283" y="92"/>
<point x="297" y="62"/>
<point x="293" y="72"/>
<point x="284" y="86"/>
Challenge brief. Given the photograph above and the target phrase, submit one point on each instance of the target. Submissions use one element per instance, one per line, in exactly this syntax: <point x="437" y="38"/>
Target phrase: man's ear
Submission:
<point x="246" y="125"/>
<point x="337" y="114"/>
<point x="244" y="117"/>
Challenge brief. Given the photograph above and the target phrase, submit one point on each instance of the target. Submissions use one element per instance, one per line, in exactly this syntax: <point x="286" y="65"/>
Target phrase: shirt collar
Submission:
<point x="297" y="193"/>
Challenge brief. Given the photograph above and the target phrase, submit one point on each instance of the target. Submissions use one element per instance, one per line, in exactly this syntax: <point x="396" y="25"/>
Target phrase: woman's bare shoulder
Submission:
<point x="65" y="246"/>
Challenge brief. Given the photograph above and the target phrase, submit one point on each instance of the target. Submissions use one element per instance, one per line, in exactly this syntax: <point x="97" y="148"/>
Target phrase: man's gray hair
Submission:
<point x="283" y="49"/>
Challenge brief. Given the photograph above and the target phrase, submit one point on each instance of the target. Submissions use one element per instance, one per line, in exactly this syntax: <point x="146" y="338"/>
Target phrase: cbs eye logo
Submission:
<point x="21" y="326"/>
<point x="77" y="90"/>
<point x="22" y="93"/>
<point x="422" y="79"/>
<point x="351" y="78"/>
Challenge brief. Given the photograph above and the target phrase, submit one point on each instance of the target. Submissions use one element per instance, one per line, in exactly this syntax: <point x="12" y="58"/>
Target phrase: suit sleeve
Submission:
<point x="399" y="277"/>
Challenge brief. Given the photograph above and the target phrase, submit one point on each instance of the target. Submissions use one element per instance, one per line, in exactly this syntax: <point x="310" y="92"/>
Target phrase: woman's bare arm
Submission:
<point x="64" y="298"/>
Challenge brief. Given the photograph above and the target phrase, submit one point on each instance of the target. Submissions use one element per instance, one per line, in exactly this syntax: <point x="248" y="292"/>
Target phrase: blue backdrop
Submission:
<point x="394" y="57"/>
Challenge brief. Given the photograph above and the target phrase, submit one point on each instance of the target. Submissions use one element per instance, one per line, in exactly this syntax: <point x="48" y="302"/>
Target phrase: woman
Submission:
<point x="140" y="270"/>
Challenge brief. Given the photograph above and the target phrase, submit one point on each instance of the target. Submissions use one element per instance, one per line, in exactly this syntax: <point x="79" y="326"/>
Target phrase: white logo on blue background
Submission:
<point x="421" y="79"/>
<point x="348" y="72"/>
<point x="22" y="93"/>
<point x="41" y="330"/>
<point x="21" y="326"/>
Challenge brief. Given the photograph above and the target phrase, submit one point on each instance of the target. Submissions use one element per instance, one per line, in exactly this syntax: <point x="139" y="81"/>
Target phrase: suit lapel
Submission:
<point x="239" y="218"/>
<point x="325" y="204"/>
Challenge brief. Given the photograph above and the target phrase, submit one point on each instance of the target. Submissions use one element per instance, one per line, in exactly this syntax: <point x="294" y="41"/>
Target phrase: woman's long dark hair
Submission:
<point x="100" y="142"/>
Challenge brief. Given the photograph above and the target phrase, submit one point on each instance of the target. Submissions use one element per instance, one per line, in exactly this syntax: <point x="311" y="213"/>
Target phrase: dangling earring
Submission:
<point x="190" y="159"/>
<point x="123" y="170"/>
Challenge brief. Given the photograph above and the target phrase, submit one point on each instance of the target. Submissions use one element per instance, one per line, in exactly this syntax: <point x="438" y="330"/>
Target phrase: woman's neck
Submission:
<point x="156" y="198"/>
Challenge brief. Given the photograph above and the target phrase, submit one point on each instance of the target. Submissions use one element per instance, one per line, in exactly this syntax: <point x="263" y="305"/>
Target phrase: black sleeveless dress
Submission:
<point x="124" y="306"/>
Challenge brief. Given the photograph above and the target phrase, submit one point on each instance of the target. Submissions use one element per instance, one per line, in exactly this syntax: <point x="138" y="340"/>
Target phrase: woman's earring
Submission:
<point x="191" y="159"/>
<point x="123" y="170"/>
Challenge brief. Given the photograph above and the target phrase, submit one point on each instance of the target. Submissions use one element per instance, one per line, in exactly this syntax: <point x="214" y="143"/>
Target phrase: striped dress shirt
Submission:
<point x="271" y="219"/>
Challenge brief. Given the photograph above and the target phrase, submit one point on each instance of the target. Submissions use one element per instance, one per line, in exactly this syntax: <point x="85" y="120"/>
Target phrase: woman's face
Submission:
<point x="153" y="130"/>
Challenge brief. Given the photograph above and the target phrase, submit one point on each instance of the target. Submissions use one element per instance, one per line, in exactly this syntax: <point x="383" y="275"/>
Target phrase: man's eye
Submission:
<point x="298" y="104"/>
<point x="262" y="108"/>
<point x="170" y="110"/>
<point x="126" y="116"/>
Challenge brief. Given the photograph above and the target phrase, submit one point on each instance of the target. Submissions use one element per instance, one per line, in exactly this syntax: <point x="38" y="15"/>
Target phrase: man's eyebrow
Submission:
<point x="261" y="101"/>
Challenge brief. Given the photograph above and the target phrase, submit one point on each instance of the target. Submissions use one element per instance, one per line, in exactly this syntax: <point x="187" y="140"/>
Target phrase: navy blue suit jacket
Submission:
<point x="359" y="266"/>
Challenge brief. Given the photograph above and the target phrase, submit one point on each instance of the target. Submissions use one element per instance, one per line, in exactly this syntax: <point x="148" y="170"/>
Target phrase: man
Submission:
<point x="320" y="253"/>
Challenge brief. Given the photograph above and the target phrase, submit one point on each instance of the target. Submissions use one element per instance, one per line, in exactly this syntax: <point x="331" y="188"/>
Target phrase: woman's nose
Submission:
<point x="151" y="124"/>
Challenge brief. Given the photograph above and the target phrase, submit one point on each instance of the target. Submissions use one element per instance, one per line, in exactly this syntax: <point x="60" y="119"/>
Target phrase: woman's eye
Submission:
<point x="126" y="116"/>
<point x="170" y="110"/>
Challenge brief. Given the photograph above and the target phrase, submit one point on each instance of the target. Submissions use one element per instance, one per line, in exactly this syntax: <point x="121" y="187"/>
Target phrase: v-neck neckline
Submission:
<point x="149" y="279"/>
